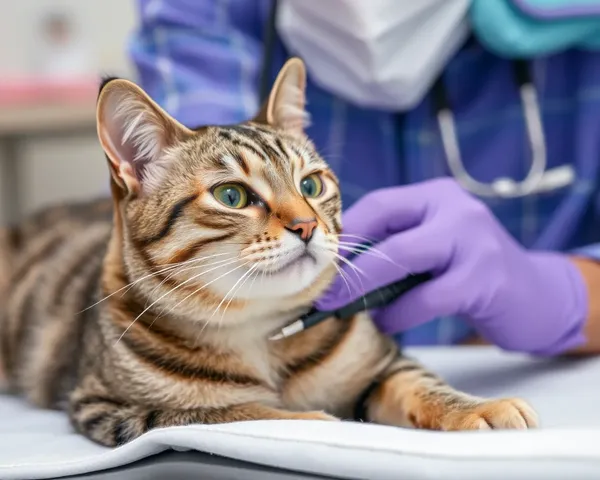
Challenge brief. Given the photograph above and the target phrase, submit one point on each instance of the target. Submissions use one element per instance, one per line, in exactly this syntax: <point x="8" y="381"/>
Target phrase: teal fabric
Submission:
<point x="558" y="8"/>
<point x="533" y="28"/>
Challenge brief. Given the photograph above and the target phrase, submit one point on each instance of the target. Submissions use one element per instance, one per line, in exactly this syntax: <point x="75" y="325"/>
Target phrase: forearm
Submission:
<point x="590" y="270"/>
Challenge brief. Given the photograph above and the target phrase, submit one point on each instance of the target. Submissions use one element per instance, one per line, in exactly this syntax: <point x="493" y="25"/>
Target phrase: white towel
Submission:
<point x="38" y="444"/>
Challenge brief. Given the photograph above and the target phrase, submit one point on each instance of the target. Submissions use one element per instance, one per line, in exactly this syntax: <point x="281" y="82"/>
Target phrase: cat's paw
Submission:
<point x="508" y="413"/>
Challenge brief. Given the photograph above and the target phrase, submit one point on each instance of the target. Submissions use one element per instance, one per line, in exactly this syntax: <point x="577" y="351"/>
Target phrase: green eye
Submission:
<point x="311" y="186"/>
<point x="231" y="195"/>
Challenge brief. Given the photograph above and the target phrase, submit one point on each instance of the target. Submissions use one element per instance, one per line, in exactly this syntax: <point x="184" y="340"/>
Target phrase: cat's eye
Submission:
<point x="231" y="195"/>
<point x="311" y="186"/>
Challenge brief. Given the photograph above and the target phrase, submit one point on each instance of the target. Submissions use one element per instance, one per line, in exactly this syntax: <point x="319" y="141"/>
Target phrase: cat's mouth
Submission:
<point x="301" y="260"/>
<point x="304" y="258"/>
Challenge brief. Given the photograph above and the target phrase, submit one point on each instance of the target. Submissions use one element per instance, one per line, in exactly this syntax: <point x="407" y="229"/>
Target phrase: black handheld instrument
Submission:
<point x="378" y="298"/>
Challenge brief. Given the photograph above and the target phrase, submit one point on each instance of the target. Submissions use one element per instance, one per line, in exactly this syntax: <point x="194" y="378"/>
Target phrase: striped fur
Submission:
<point x="153" y="309"/>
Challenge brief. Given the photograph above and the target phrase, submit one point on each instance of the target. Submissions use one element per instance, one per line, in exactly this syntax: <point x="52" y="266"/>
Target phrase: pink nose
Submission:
<point x="303" y="228"/>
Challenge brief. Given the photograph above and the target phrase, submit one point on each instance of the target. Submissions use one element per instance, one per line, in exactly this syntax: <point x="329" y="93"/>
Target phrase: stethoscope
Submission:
<point x="538" y="180"/>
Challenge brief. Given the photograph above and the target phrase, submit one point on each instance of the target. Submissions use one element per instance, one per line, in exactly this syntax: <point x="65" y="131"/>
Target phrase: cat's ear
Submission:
<point x="285" y="107"/>
<point x="135" y="134"/>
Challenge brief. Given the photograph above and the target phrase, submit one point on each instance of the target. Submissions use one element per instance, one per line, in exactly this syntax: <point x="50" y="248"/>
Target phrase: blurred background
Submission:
<point x="52" y="53"/>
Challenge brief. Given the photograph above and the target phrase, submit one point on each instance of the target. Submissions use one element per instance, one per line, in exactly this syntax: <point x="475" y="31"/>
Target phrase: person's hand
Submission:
<point x="520" y="300"/>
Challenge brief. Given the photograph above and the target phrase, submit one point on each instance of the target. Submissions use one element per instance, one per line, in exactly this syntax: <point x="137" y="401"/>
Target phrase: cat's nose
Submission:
<point x="302" y="227"/>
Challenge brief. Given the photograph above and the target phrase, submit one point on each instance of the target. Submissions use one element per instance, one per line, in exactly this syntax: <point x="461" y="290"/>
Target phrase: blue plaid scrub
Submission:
<point x="201" y="60"/>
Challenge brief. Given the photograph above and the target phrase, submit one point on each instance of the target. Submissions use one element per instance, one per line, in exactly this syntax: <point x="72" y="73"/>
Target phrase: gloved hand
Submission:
<point x="520" y="300"/>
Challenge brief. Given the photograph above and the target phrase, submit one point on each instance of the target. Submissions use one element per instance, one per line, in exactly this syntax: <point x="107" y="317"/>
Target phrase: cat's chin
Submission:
<point x="290" y="279"/>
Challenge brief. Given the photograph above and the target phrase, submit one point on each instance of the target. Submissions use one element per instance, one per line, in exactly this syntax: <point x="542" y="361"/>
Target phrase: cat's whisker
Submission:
<point x="183" y="270"/>
<point x="207" y="284"/>
<point x="360" y="245"/>
<point x="358" y="249"/>
<point x="262" y="278"/>
<point x="193" y="293"/>
<point x="365" y="250"/>
<point x="256" y="272"/>
<point x="343" y="277"/>
<point x="206" y="322"/>
<point x="125" y="287"/>
<point x="190" y="261"/>
<point x="359" y="237"/>
<point x="193" y="278"/>
<point x="247" y="276"/>
<point x="130" y="285"/>
<point x="171" y="291"/>
<point x="204" y="286"/>
<point x="177" y="272"/>
<point x="222" y="263"/>
<point x="354" y="279"/>
<point x="369" y="250"/>
<point x="356" y="271"/>
<point x="253" y="268"/>
<point x="353" y="267"/>
<point x="232" y="289"/>
<point x="361" y="288"/>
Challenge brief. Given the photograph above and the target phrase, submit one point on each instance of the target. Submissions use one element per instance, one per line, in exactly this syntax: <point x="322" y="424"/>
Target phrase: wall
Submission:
<point x="53" y="169"/>
<point x="103" y="24"/>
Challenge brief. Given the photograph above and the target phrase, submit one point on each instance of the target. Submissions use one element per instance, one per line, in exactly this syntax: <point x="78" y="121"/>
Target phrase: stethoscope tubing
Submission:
<point x="502" y="187"/>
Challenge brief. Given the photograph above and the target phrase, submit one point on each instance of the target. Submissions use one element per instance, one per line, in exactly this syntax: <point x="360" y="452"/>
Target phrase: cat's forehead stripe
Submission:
<point x="241" y="143"/>
<point x="236" y="163"/>
<point x="265" y="144"/>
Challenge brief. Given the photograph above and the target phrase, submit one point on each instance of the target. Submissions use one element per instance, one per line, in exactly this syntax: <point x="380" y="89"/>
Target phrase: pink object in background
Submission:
<point x="28" y="90"/>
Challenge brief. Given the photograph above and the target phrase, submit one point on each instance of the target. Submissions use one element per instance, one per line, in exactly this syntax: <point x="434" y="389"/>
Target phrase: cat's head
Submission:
<point x="228" y="215"/>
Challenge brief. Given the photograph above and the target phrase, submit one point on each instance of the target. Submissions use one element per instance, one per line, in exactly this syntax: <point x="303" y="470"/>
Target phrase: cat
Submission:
<point x="153" y="308"/>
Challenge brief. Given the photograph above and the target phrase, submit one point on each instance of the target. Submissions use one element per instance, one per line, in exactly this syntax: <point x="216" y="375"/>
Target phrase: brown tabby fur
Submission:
<point x="166" y="346"/>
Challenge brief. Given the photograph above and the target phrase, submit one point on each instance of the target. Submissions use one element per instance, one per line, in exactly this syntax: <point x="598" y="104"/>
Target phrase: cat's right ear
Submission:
<point x="285" y="109"/>
<point x="135" y="134"/>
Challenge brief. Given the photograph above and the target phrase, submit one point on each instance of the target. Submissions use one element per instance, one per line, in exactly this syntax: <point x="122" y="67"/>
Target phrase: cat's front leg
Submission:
<point x="411" y="396"/>
<point x="112" y="422"/>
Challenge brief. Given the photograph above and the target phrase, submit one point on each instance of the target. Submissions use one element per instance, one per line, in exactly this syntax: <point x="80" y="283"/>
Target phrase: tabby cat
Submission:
<point x="154" y="308"/>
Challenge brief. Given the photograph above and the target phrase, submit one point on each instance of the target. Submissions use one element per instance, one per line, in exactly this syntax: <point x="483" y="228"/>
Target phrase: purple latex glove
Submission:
<point x="520" y="300"/>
